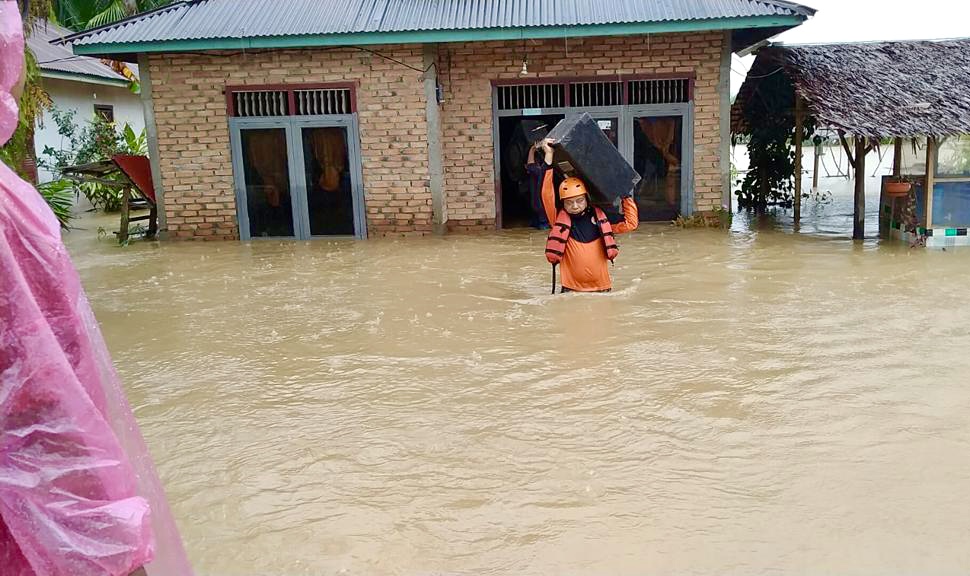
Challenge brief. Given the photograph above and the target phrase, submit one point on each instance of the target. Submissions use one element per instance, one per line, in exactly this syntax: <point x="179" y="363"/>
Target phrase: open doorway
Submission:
<point x="658" y="158"/>
<point x="648" y="119"/>
<point x="520" y="204"/>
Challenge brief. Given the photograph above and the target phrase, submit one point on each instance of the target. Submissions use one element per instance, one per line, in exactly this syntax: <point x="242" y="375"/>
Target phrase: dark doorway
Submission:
<point x="520" y="203"/>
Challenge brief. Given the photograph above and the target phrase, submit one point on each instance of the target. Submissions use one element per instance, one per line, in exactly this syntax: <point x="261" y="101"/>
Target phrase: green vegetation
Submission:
<point x="76" y="15"/>
<point x="770" y="178"/>
<point x="97" y="140"/>
<point x="84" y="14"/>
<point x="59" y="195"/>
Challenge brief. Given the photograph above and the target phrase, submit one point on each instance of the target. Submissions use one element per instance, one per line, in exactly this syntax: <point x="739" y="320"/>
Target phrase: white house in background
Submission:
<point x="80" y="83"/>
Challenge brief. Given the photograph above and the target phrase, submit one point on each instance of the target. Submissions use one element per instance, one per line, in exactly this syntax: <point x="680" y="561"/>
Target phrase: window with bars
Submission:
<point x="595" y="94"/>
<point x="666" y="91"/>
<point x="260" y="103"/>
<point x="531" y="96"/>
<point x="318" y="102"/>
<point x="246" y="103"/>
<point x="592" y="93"/>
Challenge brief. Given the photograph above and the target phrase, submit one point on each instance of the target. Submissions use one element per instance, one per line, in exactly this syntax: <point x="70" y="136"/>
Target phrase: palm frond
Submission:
<point x="59" y="195"/>
<point x="74" y="14"/>
<point x="113" y="12"/>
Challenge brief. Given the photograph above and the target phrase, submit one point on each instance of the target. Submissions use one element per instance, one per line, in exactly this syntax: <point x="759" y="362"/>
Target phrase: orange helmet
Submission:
<point x="571" y="187"/>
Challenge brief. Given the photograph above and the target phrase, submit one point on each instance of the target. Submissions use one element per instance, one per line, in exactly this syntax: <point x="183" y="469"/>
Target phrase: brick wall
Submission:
<point x="193" y="132"/>
<point x="466" y="71"/>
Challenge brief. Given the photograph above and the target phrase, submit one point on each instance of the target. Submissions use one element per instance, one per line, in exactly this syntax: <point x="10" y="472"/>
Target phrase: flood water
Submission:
<point x="828" y="210"/>
<point x="744" y="402"/>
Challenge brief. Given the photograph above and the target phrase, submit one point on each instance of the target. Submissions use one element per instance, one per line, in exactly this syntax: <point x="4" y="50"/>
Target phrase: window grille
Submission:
<point x="595" y="94"/>
<point x="260" y="103"/>
<point x="667" y="91"/>
<point x="531" y="96"/>
<point x="320" y="102"/>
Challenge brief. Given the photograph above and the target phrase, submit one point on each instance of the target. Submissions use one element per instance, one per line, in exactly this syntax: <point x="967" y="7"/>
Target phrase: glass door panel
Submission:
<point x="658" y="158"/>
<point x="265" y="168"/>
<point x="329" y="185"/>
<point x="611" y="128"/>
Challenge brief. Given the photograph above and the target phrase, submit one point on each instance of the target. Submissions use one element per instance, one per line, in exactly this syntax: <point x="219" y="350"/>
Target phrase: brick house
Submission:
<point x="302" y="118"/>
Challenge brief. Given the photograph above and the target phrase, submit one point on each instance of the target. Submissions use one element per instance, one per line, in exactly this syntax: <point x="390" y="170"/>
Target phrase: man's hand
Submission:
<point x="546" y="146"/>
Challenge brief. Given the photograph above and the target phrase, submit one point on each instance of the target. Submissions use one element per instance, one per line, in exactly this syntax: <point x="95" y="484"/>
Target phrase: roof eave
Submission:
<point x="130" y="19"/>
<point x="84" y="78"/>
<point x="433" y="36"/>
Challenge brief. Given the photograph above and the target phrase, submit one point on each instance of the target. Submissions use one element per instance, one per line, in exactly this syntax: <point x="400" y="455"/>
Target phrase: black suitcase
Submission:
<point x="583" y="150"/>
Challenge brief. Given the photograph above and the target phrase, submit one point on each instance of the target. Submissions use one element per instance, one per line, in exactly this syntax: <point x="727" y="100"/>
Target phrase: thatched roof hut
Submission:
<point x="876" y="90"/>
<point x="866" y="91"/>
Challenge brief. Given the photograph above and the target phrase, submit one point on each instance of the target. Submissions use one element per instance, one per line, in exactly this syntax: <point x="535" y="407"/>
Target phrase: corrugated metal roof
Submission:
<point x="60" y="58"/>
<point x="214" y="19"/>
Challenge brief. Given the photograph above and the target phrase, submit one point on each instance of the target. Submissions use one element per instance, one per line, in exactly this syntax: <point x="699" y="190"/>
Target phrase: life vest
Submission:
<point x="559" y="235"/>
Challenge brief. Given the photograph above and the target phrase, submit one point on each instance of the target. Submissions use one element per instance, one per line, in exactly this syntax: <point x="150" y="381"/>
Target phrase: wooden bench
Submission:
<point x="134" y="176"/>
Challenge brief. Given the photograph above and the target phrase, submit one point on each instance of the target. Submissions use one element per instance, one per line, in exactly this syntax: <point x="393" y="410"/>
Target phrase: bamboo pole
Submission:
<point x="859" y="217"/>
<point x="818" y="157"/>
<point x="799" y="113"/>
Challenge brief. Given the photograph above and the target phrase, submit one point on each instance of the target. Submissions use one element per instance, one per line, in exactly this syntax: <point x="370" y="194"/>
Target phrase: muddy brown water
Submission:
<point x="745" y="402"/>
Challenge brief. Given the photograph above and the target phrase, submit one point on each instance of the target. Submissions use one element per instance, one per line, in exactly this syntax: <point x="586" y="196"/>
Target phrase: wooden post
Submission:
<point x="930" y="177"/>
<point x="818" y="156"/>
<point x="799" y="113"/>
<point x="152" y="222"/>
<point x="898" y="157"/>
<point x="123" y="232"/>
<point x="859" y="218"/>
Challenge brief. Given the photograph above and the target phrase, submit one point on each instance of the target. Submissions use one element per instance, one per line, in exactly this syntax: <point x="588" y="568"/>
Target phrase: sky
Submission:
<point x="861" y="20"/>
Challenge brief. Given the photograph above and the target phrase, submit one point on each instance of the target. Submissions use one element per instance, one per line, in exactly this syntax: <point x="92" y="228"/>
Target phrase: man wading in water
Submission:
<point x="581" y="239"/>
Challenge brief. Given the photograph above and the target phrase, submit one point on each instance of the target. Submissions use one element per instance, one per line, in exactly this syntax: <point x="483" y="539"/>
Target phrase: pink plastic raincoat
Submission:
<point x="79" y="495"/>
